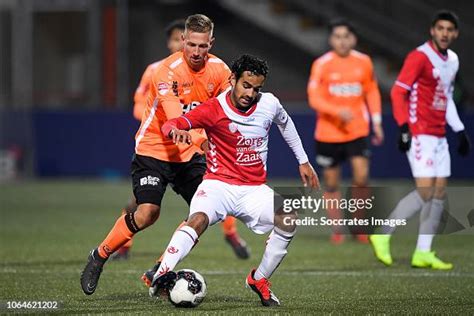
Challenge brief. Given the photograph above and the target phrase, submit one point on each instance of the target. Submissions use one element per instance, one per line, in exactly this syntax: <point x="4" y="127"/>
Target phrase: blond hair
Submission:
<point x="199" y="23"/>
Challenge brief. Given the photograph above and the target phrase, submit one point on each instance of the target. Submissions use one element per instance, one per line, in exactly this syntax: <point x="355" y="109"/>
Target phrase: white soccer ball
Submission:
<point x="189" y="289"/>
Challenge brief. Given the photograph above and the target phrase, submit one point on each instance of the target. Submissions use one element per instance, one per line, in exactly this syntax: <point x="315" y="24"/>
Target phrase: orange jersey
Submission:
<point x="176" y="89"/>
<point x="140" y="94"/>
<point x="343" y="82"/>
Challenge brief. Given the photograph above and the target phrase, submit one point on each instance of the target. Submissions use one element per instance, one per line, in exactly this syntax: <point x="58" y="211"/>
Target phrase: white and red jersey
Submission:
<point x="423" y="90"/>
<point x="238" y="141"/>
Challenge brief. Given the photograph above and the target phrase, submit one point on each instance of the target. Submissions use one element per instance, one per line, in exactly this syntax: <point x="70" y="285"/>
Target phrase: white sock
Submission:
<point x="180" y="245"/>
<point x="430" y="217"/>
<point x="275" y="251"/>
<point x="406" y="208"/>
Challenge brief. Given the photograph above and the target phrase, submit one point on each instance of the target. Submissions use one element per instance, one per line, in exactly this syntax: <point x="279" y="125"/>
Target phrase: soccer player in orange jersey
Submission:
<point x="343" y="91"/>
<point x="174" y="43"/>
<point x="180" y="83"/>
<point x="174" y="32"/>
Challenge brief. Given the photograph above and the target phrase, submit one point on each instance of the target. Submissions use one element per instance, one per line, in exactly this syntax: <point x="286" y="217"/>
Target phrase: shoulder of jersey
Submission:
<point x="418" y="53"/>
<point x="324" y="58"/>
<point x="155" y="65"/>
<point x="268" y="96"/>
<point x="269" y="99"/>
<point x="215" y="61"/>
<point x="172" y="61"/>
<point x="360" y="55"/>
<point x="452" y="55"/>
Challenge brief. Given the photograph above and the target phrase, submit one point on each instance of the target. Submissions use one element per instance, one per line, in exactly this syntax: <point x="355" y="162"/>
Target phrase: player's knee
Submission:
<point x="131" y="206"/>
<point x="146" y="215"/>
<point x="199" y="222"/>
<point x="439" y="193"/>
<point x="426" y="193"/>
<point x="360" y="181"/>
<point x="286" y="221"/>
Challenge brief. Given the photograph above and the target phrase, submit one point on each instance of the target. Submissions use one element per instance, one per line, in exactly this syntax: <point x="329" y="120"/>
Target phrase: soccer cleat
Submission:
<point x="337" y="239"/>
<point x="381" y="246"/>
<point x="428" y="259"/>
<point x="238" y="245"/>
<point x="362" y="238"/>
<point x="91" y="273"/>
<point x="262" y="288"/>
<point x="162" y="284"/>
<point x="147" y="277"/>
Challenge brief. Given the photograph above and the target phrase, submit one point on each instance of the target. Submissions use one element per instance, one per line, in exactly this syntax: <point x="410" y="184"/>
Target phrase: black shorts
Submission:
<point x="151" y="176"/>
<point x="333" y="154"/>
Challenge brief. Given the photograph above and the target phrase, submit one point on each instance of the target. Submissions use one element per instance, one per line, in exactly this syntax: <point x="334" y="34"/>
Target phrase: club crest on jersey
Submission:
<point x="210" y="87"/>
<point x="163" y="88"/>
<point x="436" y="73"/>
<point x="233" y="127"/>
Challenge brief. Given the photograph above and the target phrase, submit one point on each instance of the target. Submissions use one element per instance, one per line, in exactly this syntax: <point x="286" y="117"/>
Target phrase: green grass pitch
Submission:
<point x="48" y="228"/>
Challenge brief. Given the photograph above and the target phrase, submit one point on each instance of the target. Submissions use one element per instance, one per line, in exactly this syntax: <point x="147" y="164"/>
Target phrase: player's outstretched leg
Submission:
<point x="124" y="229"/>
<point x="123" y="252"/>
<point x="180" y="245"/>
<point x="275" y="251"/>
<point x="430" y="217"/>
<point x="147" y="277"/>
<point x="232" y="237"/>
<point x="406" y="208"/>
<point x="337" y="237"/>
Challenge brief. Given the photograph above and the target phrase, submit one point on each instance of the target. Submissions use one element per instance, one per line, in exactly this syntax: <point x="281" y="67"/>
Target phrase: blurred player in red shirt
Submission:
<point x="343" y="91"/>
<point x="422" y="100"/>
<point x="238" y="122"/>
<point x="180" y="83"/>
<point x="174" y="32"/>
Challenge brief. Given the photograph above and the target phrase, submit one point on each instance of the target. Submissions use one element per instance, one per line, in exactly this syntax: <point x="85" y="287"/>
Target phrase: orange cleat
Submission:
<point x="262" y="288"/>
<point x="362" y="238"/>
<point x="337" y="239"/>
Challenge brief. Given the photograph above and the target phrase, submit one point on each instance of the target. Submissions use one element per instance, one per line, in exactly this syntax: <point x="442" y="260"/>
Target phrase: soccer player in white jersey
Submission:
<point x="422" y="100"/>
<point x="237" y="123"/>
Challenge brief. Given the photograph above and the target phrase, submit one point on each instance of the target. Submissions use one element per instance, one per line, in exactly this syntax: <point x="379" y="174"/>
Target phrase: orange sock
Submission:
<point x="229" y="226"/>
<point x="129" y="243"/>
<point x="333" y="212"/>
<point x="360" y="193"/>
<point x="179" y="226"/>
<point x="118" y="236"/>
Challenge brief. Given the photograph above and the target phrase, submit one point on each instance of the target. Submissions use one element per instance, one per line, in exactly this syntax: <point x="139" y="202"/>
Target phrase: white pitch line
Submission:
<point x="368" y="273"/>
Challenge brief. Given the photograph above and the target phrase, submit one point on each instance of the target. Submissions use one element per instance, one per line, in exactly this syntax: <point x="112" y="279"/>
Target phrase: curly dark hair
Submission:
<point x="250" y="63"/>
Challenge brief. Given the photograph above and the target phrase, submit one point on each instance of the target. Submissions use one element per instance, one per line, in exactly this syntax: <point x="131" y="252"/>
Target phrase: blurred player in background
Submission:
<point x="238" y="124"/>
<point x="422" y="100"/>
<point x="180" y="83"/>
<point x="174" y="43"/>
<point x="343" y="91"/>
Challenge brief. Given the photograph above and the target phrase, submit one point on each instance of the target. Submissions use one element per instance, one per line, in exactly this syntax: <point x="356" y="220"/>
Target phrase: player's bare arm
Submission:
<point x="309" y="176"/>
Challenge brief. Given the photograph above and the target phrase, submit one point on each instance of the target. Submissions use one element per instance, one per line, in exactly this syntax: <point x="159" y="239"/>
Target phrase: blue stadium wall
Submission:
<point x="101" y="144"/>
